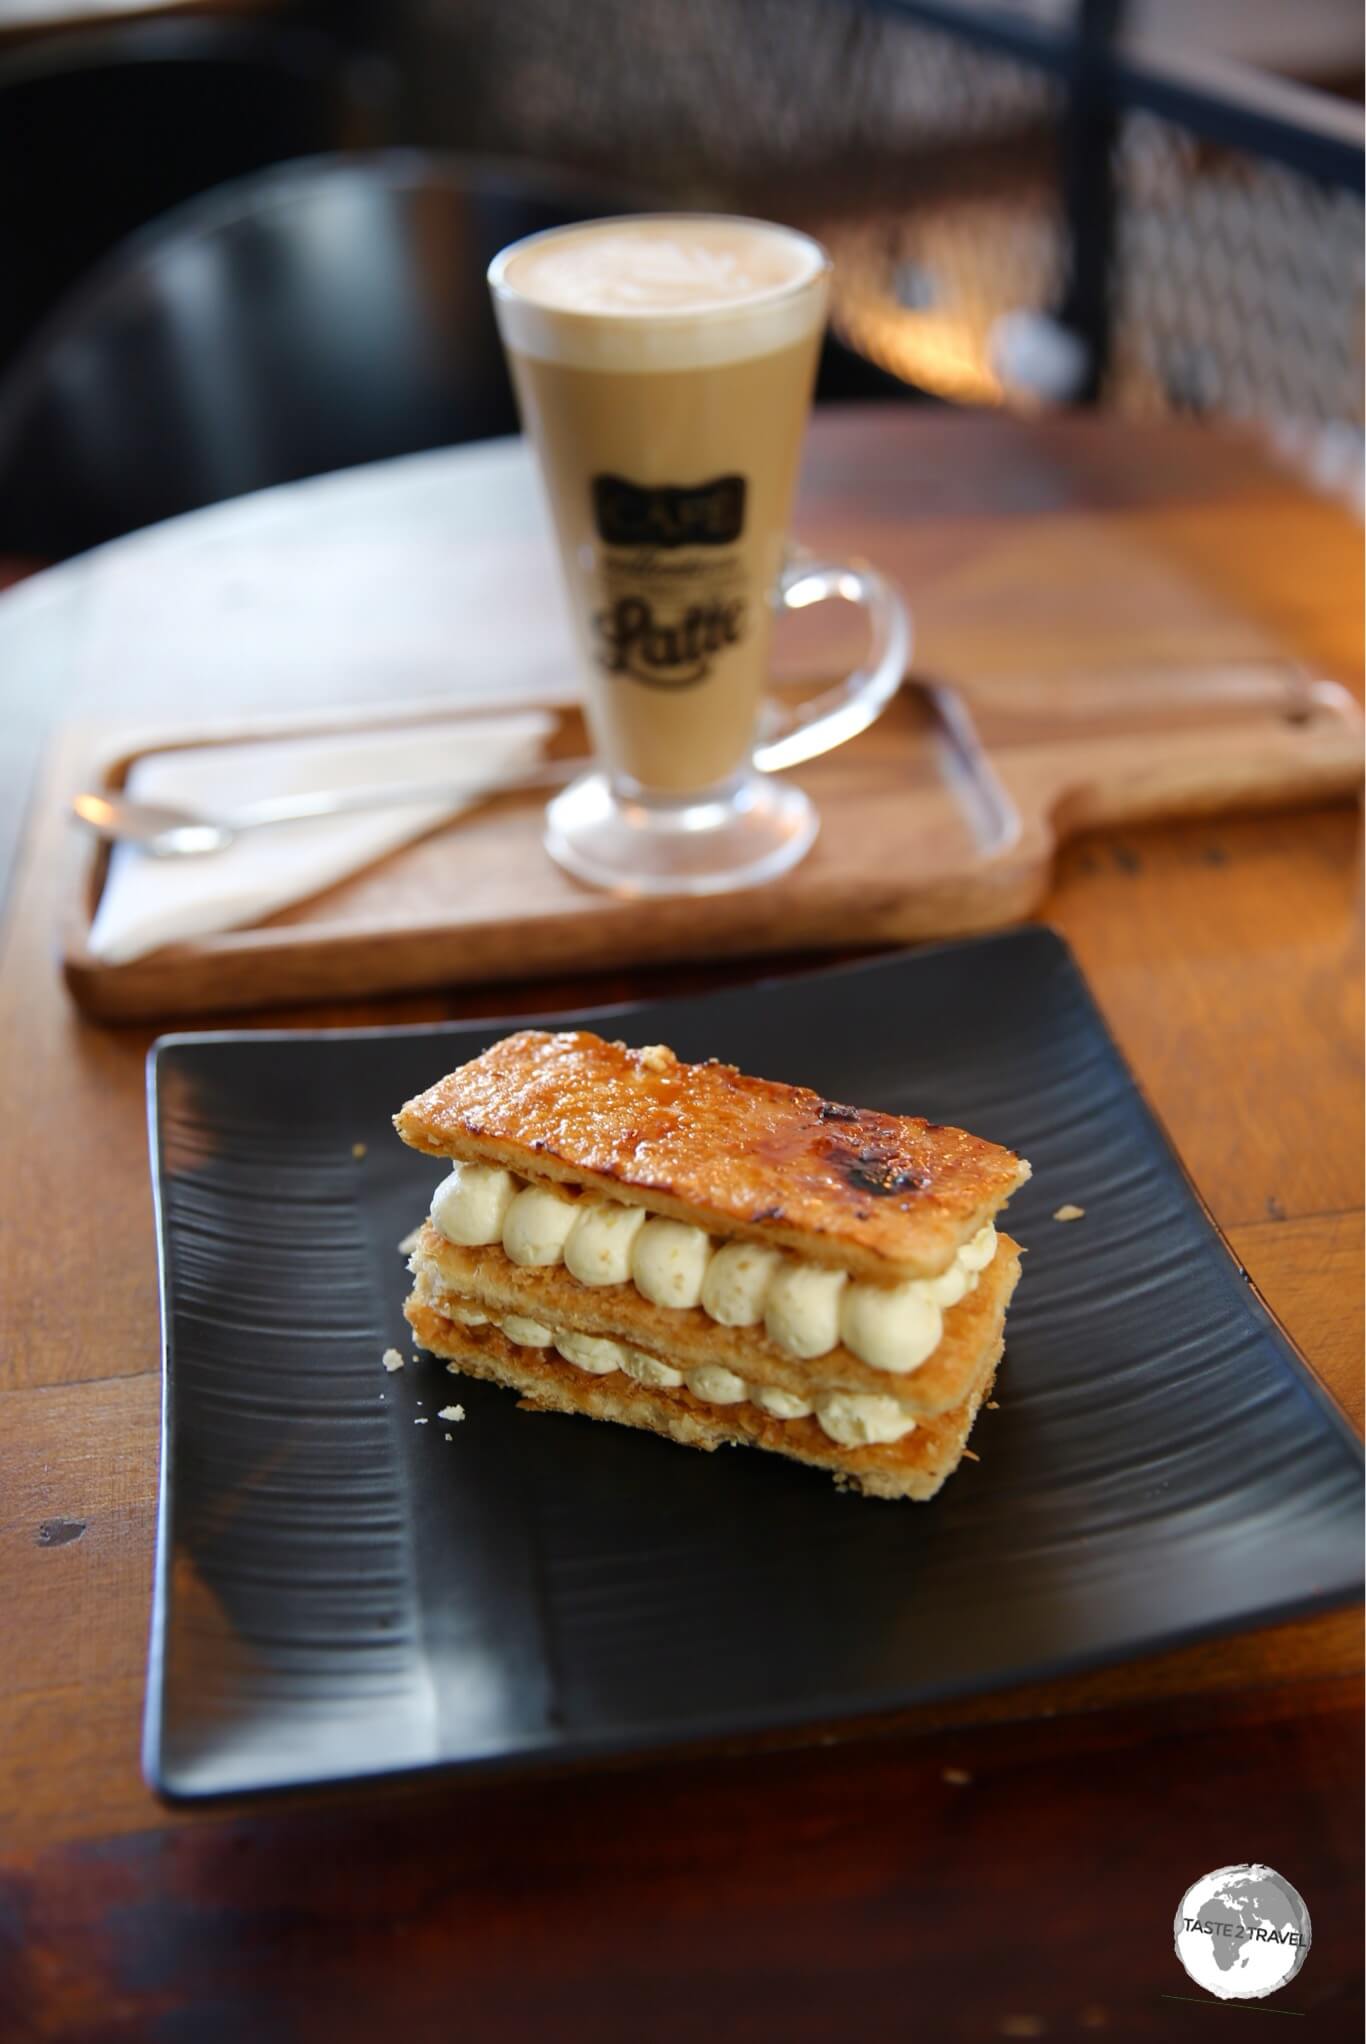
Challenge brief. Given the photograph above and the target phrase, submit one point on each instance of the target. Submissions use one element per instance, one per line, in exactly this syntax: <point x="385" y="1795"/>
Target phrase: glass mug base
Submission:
<point x="737" y="836"/>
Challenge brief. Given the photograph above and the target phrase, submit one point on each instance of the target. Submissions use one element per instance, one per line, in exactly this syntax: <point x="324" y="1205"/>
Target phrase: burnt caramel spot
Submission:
<point x="878" y="1171"/>
<point x="886" y="1182"/>
<point x="705" y="1139"/>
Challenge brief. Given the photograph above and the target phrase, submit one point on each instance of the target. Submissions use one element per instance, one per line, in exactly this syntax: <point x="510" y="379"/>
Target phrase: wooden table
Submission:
<point x="1003" y="1867"/>
<point x="26" y="20"/>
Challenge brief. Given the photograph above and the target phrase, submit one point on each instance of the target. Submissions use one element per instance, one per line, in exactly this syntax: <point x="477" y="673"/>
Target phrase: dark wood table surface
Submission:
<point x="1006" y="1866"/>
<point x="27" y="20"/>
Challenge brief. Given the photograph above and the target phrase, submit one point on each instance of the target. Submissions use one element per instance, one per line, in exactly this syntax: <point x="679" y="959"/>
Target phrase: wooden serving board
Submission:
<point x="943" y="819"/>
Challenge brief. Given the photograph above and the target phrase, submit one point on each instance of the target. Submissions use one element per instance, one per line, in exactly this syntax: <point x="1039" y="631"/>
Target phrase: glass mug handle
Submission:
<point x="786" y="738"/>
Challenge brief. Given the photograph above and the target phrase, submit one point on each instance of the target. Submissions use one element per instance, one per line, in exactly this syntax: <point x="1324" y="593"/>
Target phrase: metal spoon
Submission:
<point x="167" y="832"/>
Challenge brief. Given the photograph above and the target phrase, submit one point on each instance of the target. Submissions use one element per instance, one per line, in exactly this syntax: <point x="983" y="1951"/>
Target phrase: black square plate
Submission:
<point x="342" y="1590"/>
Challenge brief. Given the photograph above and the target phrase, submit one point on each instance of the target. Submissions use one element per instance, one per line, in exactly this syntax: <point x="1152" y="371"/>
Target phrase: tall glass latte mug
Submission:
<point x="664" y="367"/>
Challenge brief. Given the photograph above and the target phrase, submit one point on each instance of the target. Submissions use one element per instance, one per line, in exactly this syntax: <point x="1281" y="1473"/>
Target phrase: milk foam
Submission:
<point x="684" y="265"/>
<point x="669" y="291"/>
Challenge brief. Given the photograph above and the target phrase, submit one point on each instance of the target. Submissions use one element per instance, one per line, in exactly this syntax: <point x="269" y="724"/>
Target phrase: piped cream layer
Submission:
<point x="851" y="1419"/>
<point x="806" y="1309"/>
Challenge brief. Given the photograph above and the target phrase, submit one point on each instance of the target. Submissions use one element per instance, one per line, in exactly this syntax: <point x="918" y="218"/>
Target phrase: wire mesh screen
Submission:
<point x="925" y="291"/>
<point x="963" y="229"/>
<point x="1236" y="283"/>
<point x="808" y="101"/>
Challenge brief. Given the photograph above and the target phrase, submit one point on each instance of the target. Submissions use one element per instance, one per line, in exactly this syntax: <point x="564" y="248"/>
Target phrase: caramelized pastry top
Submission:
<point x="886" y="1196"/>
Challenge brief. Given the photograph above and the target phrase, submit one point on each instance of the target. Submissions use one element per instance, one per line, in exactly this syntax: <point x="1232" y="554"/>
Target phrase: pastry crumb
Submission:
<point x="409" y="1242"/>
<point x="993" y="1405"/>
<point x="420" y="1422"/>
<point x="971" y="1455"/>
<point x="451" y="1412"/>
<point x="1069" y="1213"/>
<point x="392" y="1360"/>
<point x="657" y="1057"/>
<point x="448" y="1437"/>
<point x="358" y="1150"/>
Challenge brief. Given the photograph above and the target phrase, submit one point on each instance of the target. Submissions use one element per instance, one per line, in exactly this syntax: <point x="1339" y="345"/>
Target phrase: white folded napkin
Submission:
<point x="150" y="902"/>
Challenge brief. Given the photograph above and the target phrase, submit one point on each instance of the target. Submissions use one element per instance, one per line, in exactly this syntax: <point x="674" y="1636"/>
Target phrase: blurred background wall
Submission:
<point x="1155" y="206"/>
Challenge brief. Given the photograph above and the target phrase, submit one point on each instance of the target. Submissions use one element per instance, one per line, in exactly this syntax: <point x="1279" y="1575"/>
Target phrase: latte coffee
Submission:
<point x="664" y="368"/>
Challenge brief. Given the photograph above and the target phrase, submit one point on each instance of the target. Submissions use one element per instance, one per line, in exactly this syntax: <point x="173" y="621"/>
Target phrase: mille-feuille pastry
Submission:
<point x="713" y="1257"/>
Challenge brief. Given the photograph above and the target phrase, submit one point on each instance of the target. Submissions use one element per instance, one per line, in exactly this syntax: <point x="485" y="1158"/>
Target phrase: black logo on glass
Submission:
<point x="632" y="514"/>
<point x="668" y="618"/>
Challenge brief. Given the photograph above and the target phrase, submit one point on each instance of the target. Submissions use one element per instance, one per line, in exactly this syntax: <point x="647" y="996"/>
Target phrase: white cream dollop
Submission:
<point x="890" y="1327"/>
<point x="855" y="1419"/>
<point x="977" y="1253"/>
<point x="948" y="1288"/>
<point x="802" y="1309"/>
<point x="780" y="1404"/>
<point x="591" y="1353"/>
<point x="469" y="1206"/>
<point x="649" y="1371"/>
<point x="737" y="1282"/>
<point x="598" y="1248"/>
<point x="526" y="1333"/>
<point x="669" y="1262"/>
<point x="465" y="1316"/>
<point x="536" y="1226"/>
<point x="718" y="1385"/>
<point x="962" y="1274"/>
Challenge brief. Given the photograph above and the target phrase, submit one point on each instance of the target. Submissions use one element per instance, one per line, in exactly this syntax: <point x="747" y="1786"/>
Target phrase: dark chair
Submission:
<point x="317" y="316"/>
<point x="101" y="133"/>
